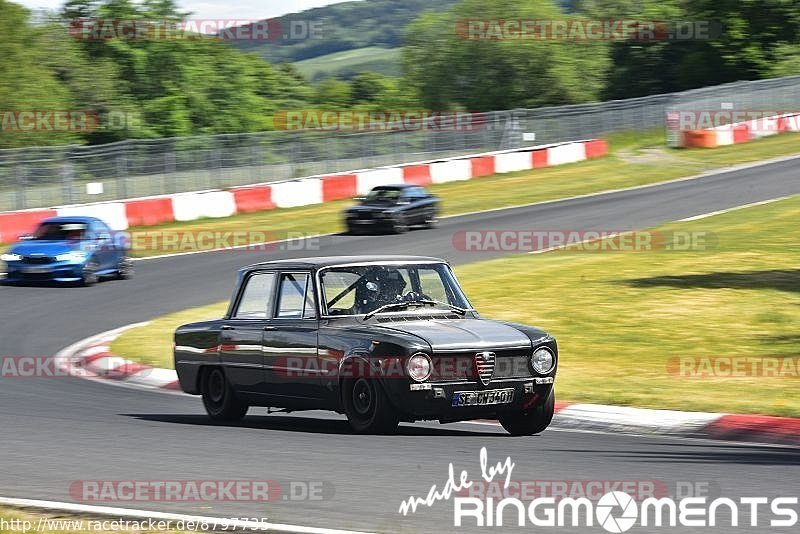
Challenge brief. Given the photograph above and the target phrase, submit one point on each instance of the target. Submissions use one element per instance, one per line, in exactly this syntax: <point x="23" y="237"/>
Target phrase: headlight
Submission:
<point x="10" y="257"/>
<point x="75" y="255"/>
<point x="419" y="367"/>
<point x="542" y="360"/>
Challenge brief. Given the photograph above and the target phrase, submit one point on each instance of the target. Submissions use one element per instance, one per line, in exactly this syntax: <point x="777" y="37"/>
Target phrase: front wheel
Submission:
<point x="367" y="407"/>
<point x="219" y="398"/>
<point x="125" y="269"/>
<point x="89" y="276"/>
<point x="531" y="421"/>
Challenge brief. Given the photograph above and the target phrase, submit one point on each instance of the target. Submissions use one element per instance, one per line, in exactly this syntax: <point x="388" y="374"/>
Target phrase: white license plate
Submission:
<point x="36" y="270"/>
<point x="483" y="398"/>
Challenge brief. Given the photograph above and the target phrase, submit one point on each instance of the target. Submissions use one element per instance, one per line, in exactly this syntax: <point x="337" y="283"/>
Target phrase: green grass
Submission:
<point x="51" y="522"/>
<point x="621" y="316"/>
<point x="630" y="164"/>
<point x="350" y="62"/>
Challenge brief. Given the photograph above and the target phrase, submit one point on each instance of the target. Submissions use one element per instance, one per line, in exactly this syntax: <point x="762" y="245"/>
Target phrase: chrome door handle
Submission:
<point x="227" y="327"/>
<point x="270" y="328"/>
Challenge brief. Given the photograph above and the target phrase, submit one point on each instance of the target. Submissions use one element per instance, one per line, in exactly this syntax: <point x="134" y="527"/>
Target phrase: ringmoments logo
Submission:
<point x="615" y="511"/>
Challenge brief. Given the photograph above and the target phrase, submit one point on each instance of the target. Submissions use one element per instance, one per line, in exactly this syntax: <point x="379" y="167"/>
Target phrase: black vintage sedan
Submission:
<point x="393" y="208"/>
<point x="381" y="340"/>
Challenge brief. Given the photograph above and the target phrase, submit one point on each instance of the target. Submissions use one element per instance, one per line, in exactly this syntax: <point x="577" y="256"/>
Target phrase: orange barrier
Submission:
<point x="16" y="223"/>
<point x="149" y="211"/>
<point x="482" y="166"/>
<point x="338" y="186"/>
<point x="700" y="138"/>
<point x="255" y="198"/>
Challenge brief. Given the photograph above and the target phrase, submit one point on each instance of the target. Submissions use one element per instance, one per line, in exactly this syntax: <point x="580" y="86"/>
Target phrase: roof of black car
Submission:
<point x="329" y="261"/>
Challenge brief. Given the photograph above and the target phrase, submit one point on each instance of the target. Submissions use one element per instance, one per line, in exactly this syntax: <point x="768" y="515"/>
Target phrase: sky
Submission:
<point x="218" y="9"/>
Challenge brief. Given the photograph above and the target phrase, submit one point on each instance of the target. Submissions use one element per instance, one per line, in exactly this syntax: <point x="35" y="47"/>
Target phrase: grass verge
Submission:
<point x="620" y="317"/>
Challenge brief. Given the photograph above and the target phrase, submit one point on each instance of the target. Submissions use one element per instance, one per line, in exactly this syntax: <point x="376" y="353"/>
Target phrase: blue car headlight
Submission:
<point x="10" y="257"/>
<point x="75" y="256"/>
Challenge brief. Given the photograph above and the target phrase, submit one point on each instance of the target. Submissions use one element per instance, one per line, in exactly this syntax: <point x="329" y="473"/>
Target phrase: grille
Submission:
<point x="38" y="260"/>
<point x="484" y="365"/>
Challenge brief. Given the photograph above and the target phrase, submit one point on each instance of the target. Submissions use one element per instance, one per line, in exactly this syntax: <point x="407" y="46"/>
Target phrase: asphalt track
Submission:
<point x="59" y="430"/>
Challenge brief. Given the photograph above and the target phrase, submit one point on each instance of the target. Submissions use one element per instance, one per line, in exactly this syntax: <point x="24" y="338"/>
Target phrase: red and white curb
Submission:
<point x="91" y="358"/>
<point x="703" y="425"/>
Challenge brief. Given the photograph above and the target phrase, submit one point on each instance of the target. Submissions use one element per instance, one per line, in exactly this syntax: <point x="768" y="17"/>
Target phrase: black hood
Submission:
<point x="463" y="334"/>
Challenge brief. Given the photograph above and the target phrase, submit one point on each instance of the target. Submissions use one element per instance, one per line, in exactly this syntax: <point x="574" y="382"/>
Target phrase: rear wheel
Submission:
<point x="531" y="421"/>
<point x="219" y="398"/>
<point x="367" y="407"/>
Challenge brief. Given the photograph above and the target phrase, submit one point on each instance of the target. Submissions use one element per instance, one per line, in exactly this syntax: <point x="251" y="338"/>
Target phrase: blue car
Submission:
<point x="69" y="249"/>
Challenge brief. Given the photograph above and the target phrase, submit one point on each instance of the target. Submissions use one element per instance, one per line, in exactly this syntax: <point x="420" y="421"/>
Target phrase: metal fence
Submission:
<point x="50" y="176"/>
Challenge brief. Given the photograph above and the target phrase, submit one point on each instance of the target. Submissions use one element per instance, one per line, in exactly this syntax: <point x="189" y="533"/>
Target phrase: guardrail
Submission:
<point x="148" y="211"/>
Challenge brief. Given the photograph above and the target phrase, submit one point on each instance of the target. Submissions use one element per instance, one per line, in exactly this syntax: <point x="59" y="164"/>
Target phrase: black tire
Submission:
<point x="531" y="421"/>
<point x="219" y="399"/>
<point x="125" y="269"/>
<point x="89" y="276"/>
<point x="432" y="221"/>
<point x="400" y="225"/>
<point x="367" y="407"/>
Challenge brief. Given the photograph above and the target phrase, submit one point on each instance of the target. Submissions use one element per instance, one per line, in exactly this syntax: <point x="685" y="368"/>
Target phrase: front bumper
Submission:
<point x="435" y="400"/>
<point x="53" y="272"/>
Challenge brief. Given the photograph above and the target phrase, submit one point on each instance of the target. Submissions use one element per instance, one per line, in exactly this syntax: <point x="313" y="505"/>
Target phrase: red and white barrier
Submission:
<point x="113" y="213"/>
<point x="150" y="211"/>
<point x="297" y="193"/>
<point x="740" y="132"/>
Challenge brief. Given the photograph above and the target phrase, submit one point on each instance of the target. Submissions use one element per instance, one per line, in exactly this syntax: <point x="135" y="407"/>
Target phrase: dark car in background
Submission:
<point x="69" y="249"/>
<point x="381" y="340"/>
<point x="393" y="208"/>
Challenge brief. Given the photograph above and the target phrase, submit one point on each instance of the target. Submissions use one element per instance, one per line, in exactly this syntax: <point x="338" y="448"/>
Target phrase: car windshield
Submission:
<point x="363" y="289"/>
<point x="60" y="231"/>
<point x="384" y="194"/>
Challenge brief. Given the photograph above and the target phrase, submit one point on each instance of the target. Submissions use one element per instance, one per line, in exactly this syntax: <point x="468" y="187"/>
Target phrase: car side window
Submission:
<point x="295" y="300"/>
<point x="257" y="297"/>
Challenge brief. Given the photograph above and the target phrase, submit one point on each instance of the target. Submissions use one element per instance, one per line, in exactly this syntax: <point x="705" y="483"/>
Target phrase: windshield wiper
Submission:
<point x="389" y="306"/>
<point x="431" y="302"/>
<point x="418" y="302"/>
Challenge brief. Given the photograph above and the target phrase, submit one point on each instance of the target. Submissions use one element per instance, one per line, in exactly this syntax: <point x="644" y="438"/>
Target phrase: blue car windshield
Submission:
<point x="61" y="231"/>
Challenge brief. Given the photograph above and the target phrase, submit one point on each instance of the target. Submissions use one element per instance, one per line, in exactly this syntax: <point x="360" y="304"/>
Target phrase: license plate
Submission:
<point x="36" y="270"/>
<point x="483" y="398"/>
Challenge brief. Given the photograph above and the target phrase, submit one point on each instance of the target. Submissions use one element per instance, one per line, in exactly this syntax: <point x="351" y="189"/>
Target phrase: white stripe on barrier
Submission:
<point x="112" y="213"/>
<point x="297" y="193"/>
<point x="192" y="206"/>
<point x="451" y="171"/>
<point x="366" y="180"/>
<point x="763" y="127"/>
<point x="792" y="122"/>
<point x="724" y="135"/>
<point x="621" y="419"/>
<point x="513" y="161"/>
<point x="569" y="153"/>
